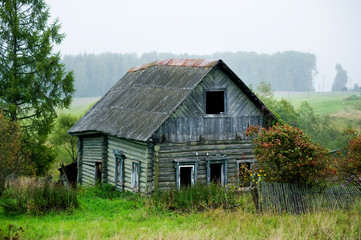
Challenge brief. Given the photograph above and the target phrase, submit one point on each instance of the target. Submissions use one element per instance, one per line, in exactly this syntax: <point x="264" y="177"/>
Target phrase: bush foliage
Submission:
<point x="349" y="166"/>
<point x="286" y="154"/>
<point x="304" y="117"/>
<point x="13" y="158"/>
<point x="62" y="139"/>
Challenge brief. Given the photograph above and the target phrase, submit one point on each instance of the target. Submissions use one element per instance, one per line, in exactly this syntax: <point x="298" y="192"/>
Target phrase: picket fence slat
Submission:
<point x="293" y="198"/>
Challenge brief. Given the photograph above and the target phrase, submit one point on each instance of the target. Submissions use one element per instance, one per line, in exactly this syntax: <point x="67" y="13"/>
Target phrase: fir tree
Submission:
<point x="33" y="81"/>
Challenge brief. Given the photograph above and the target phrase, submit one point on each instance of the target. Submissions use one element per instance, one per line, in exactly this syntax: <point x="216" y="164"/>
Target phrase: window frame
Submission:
<point x="225" y="112"/>
<point x="134" y="177"/>
<point x="252" y="164"/>
<point x="181" y="163"/>
<point x="224" y="168"/>
<point x="119" y="161"/>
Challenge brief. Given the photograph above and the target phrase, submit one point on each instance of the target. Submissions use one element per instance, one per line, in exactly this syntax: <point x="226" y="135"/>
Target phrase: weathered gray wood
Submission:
<point x="286" y="197"/>
<point x="189" y="121"/>
<point x="92" y="149"/>
<point x="79" y="159"/>
<point x="133" y="151"/>
<point x="170" y="153"/>
<point x="187" y="135"/>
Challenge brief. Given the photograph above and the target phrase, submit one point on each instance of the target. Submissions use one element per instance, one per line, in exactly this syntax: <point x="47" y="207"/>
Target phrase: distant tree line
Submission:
<point x="285" y="71"/>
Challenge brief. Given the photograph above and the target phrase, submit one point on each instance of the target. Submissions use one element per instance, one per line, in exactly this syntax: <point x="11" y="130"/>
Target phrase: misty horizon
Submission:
<point x="328" y="29"/>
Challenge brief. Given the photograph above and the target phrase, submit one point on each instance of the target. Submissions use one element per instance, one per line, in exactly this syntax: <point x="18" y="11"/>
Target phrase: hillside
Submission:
<point x="343" y="108"/>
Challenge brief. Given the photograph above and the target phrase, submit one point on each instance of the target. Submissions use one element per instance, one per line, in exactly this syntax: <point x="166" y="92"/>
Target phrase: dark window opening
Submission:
<point x="98" y="172"/>
<point x="185" y="175"/>
<point x="215" y="102"/>
<point x="216" y="173"/>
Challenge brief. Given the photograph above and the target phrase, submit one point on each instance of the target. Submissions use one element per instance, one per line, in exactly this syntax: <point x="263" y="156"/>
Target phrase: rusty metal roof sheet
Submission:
<point x="177" y="62"/>
<point x="144" y="98"/>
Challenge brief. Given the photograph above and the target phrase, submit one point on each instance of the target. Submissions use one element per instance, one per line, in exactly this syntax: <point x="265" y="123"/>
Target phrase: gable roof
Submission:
<point x="144" y="98"/>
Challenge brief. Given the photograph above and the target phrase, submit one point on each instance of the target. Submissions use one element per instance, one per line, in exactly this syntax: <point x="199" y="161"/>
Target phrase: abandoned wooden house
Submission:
<point x="168" y="124"/>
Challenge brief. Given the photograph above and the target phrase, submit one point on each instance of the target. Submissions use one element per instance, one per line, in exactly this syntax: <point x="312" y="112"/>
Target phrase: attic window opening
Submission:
<point x="215" y="102"/>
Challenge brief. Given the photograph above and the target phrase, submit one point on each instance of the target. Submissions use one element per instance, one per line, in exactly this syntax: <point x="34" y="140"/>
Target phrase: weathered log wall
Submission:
<point x="91" y="149"/>
<point x="192" y="151"/>
<point x="133" y="151"/>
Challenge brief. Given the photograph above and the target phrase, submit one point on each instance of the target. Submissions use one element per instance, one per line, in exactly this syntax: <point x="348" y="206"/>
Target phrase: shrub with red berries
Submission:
<point x="288" y="155"/>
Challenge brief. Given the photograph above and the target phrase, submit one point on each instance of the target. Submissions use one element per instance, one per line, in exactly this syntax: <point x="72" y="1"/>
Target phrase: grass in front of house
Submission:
<point x="129" y="217"/>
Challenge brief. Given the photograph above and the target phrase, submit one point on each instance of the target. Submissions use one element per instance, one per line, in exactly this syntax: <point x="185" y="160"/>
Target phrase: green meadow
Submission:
<point x="328" y="103"/>
<point x="132" y="218"/>
<point x="79" y="106"/>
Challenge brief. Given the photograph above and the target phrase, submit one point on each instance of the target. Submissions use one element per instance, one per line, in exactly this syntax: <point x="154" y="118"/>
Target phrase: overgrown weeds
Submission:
<point x="197" y="198"/>
<point x="107" y="191"/>
<point x="37" y="196"/>
<point x="13" y="233"/>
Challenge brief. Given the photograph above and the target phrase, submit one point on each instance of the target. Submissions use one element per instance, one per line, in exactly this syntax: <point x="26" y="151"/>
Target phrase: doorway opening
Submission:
<point x="98" y="172"/>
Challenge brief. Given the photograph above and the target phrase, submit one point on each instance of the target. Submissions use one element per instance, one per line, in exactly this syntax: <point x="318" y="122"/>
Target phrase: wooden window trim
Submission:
<point x="217" y="159"/>
<point x="135" y="176"/>
<point x="119" y="160"/>
<point x="187" y="163"/>
<point x="252" y="163"/>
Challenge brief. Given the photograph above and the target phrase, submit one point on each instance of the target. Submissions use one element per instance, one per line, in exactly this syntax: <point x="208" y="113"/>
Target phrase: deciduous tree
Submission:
<point x="339" y="84"/>
<point x="61" y="138"/>
<point x="13" y="158"/>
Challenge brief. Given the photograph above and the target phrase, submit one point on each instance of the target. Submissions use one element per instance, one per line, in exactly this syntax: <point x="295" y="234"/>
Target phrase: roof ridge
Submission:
<point x="184" y="62"/>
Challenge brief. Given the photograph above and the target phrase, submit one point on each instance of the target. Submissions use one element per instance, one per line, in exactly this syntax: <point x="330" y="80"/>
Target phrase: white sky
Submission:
<point x="331" y="29"/>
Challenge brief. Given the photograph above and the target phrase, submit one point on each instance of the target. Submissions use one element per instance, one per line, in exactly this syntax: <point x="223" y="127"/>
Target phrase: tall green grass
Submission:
<point x="126" y="218"/>
<point x="197" y="198"/>
<point x="37" y="197"/>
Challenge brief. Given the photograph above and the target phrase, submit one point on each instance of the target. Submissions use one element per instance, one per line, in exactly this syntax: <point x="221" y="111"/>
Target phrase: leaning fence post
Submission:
<point x="255" y="197"/>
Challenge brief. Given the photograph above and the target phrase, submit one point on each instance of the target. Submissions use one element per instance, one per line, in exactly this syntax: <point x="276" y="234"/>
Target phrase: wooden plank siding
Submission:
<point x="190" y="123"/>
<point x="164" y="124"/>
<point x="133" y="151"/>
<point x="79" y="159"/>
<point x="91" y="148"/>
<point x="193" y="151"/>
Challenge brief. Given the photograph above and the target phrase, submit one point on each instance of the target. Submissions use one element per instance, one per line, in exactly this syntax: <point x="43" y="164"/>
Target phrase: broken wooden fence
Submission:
<point x="293" y="198"/>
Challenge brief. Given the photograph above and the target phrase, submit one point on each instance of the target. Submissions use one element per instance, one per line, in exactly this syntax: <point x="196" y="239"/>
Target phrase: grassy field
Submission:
<point x="342" y="108"/>
<point x="324" y="103"/>
<point x="125" y="218"/>
<point x="79" y="106"/>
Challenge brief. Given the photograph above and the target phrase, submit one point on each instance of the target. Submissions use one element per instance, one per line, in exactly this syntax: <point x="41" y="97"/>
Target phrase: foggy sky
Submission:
<point x="328" y="28"/>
